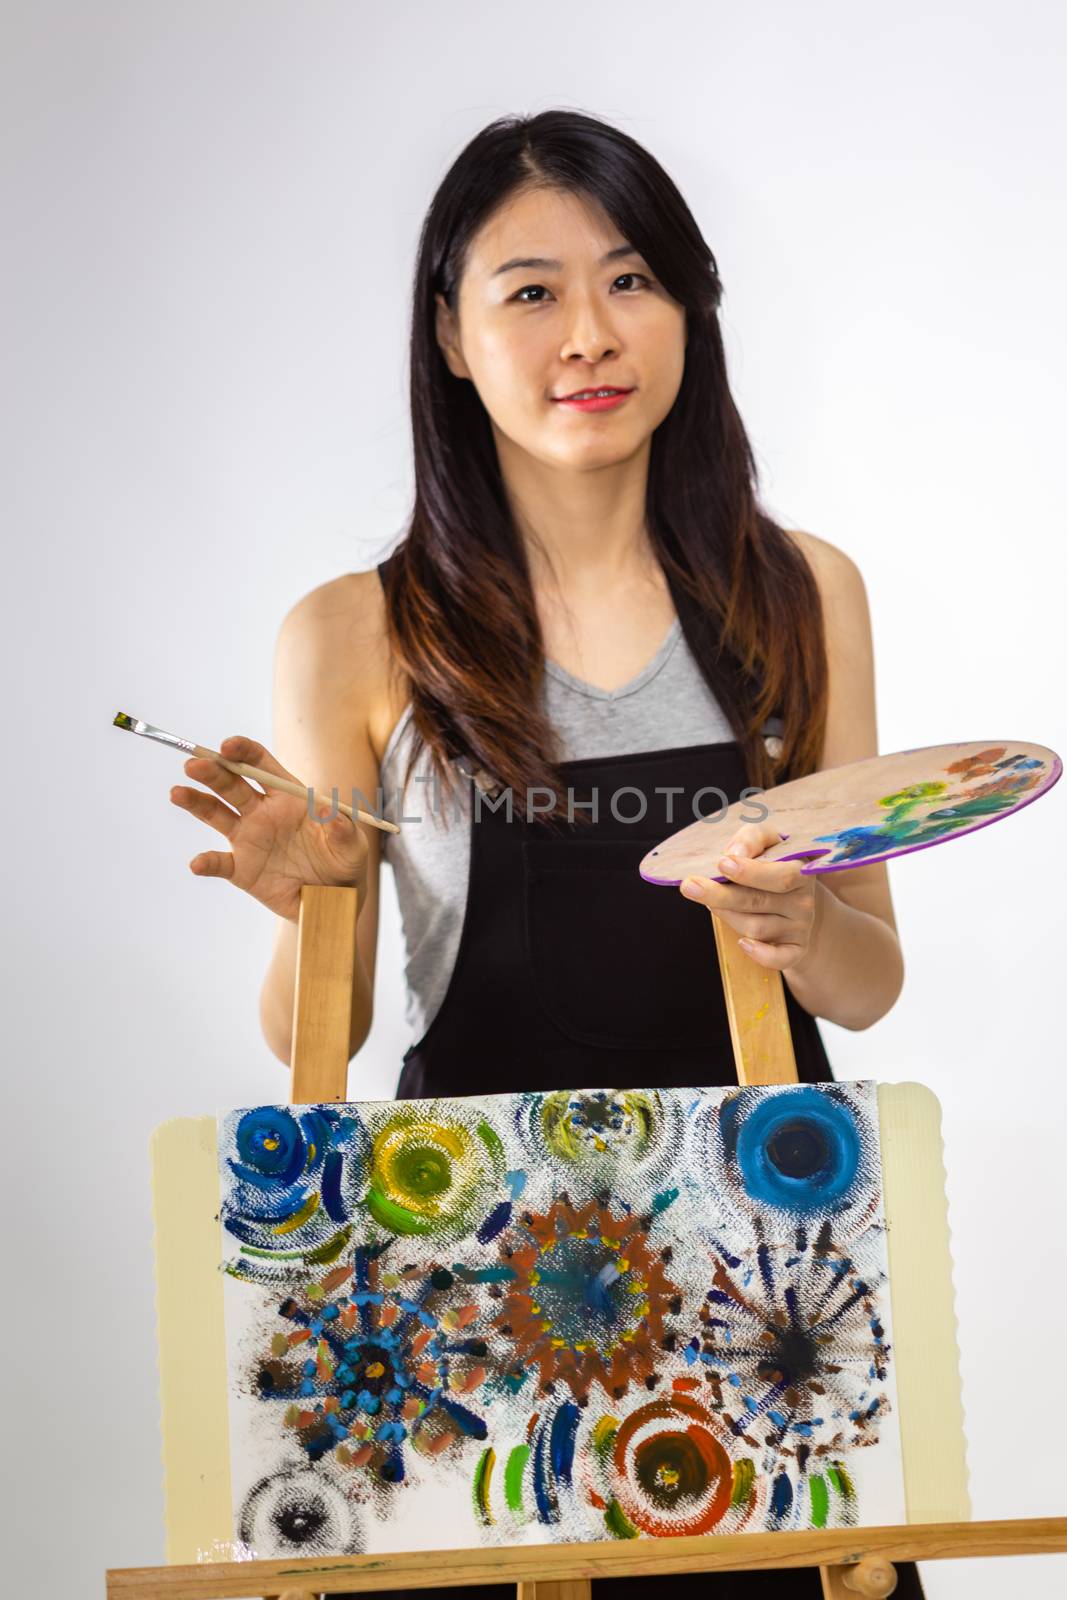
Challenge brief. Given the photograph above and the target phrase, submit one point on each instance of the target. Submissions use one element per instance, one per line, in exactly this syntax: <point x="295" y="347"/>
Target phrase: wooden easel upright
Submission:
<point x="852" y="1561"/>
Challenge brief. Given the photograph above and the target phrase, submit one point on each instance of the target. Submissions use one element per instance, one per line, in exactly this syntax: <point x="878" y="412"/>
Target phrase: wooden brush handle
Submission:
<point x="290" y="786"/>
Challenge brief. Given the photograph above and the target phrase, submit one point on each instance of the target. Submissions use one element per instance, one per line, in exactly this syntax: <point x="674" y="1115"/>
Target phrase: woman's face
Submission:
<point x="565" y="320"/>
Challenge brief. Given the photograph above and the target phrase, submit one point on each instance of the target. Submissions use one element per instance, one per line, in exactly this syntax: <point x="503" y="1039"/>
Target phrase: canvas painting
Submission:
<point x="557" y="1316"/>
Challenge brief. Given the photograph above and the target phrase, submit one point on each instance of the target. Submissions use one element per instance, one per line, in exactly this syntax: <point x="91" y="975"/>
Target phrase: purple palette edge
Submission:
<point x="813" y="858"/>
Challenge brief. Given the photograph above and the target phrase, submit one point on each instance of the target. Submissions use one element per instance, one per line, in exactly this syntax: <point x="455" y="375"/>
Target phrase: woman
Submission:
<point x="590" y="627"/>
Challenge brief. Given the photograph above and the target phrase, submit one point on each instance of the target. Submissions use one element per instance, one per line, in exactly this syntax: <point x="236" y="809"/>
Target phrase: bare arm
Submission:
<point x="854" y="971"/>
<point x="328" y="670"/>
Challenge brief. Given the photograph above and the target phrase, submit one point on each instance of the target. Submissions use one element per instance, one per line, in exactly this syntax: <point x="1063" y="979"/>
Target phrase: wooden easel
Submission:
<point x="851" y="1561"/>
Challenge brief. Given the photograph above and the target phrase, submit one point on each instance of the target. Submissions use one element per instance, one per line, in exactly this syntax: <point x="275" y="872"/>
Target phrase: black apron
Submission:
<point x="573" y="972"/>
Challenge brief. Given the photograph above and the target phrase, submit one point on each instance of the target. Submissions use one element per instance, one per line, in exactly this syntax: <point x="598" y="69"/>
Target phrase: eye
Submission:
<point x="527" y="288"/>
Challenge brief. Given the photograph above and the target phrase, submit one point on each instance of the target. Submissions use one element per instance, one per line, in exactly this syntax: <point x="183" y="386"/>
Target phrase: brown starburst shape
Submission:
<point x="589" y="1297"/>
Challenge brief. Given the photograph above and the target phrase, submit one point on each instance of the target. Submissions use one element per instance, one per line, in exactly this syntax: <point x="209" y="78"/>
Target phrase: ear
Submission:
<point x="447" y="333"/>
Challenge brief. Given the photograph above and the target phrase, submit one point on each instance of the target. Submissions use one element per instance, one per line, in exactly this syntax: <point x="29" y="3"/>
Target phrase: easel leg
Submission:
<point x="874" y="1578"/>
<point x="322" y="1008"/>
<point x="763" y="1054"/>
<point x="572" y="1589"/>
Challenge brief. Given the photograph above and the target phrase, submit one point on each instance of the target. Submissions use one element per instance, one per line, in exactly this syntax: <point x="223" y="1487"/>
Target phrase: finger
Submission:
<point x="723" y="897"/>
<point x="342" y="829"/>
<point x="776" y="877"/>
<point x="212" y="864"/>
<point x="764" y="930"/>
<point x="346" y="840"/>
<point x="716" y="896"/>
<point x="752" y="838"/>
<point x="778" y="956"/>
<point x="239" y="748"/>
<point x="208" y="808"/>
<point x="241" y="794"/>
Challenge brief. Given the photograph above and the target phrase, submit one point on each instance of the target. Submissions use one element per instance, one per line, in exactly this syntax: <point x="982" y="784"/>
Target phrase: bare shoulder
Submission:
<point x="851" y="733"/>
<point x="335" y="699"/>
<point x="335" y="642"/>
<point x="838" y="576"/>
<point x="343" y="613"/>
<point x="847" y="618"/>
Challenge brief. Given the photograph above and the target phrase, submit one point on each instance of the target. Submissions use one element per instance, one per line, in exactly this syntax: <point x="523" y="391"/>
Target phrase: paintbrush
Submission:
<point x="245" y="770"/>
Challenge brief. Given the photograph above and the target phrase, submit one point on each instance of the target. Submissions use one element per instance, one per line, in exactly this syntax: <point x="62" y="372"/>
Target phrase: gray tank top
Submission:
<point x="667" y="705"/>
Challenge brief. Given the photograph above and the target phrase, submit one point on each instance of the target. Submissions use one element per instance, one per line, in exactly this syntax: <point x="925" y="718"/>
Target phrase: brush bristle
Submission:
<point x="122" y="720"/>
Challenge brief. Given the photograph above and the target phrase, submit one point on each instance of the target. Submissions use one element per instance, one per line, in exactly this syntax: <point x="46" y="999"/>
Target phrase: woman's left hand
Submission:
<point x="772" y="903"/>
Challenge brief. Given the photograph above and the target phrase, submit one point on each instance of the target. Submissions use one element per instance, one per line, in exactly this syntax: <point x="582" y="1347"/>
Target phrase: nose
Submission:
<point x="589" y="332"/>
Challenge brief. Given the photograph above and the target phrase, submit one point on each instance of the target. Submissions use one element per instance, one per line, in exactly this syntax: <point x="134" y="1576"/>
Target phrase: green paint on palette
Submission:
<point x="904" y="800"/>
<point x="513" y="1471"/>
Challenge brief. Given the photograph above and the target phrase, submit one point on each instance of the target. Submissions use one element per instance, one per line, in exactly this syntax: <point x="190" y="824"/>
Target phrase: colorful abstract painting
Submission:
<point x="562" y="1316"/>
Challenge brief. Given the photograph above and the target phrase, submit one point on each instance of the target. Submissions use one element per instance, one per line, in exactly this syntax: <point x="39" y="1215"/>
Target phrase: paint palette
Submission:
<point x="553" y="1317"/>
<point x="871" y="810"/>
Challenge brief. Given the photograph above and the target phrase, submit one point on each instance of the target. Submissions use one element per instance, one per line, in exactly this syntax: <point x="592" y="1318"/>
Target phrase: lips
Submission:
<point x="591" y="394"/>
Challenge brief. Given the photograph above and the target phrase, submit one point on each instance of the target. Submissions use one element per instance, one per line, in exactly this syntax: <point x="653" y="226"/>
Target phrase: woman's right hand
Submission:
<point x="276" y="846"/>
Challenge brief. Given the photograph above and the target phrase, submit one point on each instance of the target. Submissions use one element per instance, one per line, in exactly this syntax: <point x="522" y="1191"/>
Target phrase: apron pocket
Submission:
<point x="616" y="961"/>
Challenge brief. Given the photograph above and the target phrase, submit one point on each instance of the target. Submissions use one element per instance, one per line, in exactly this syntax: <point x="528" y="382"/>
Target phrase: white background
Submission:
<point x="210" y="218"/>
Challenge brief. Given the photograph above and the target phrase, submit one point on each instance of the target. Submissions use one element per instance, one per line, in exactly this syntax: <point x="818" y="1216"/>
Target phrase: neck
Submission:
<point x="584" y="531"/>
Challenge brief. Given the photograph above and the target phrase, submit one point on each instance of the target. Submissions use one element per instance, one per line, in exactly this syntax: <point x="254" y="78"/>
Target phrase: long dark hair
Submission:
<point x="463" y="627"/>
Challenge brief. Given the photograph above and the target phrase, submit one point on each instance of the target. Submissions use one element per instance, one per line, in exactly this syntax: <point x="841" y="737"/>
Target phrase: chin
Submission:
<point x="596" y="459"/>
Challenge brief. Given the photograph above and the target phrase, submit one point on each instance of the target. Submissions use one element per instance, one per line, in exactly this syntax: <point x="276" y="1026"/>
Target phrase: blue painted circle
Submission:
<point x="270" y="1142"/>
<point x="799" y="1151"/>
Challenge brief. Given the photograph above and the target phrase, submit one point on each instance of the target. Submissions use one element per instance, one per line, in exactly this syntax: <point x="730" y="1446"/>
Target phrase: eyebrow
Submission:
<point x="617" y="254"/>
